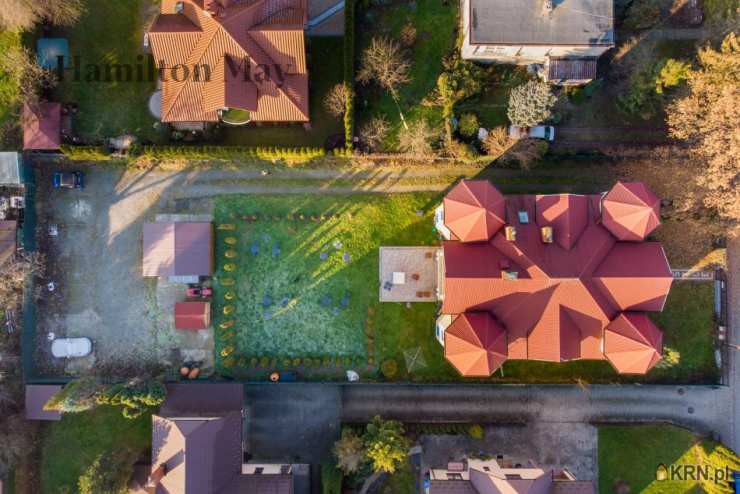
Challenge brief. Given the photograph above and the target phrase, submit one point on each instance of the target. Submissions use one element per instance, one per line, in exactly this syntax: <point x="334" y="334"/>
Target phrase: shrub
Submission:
<point x="227" y="153"/>
<point x="227" y="350"/>
<point x="229" y="309"/>
<point x="230" y="240"/>
<point x="349" y="72"/>
<point x="296" y="362"/>
<point x="475" y="431"/>
<point x="469" y="126"/>
<point x="77" y="396"/>
<point x="331" y="479"/>
<point x="229" y="267"/>
<point x="108" y="473"/>
<point x="461" y="150"/>
<point x="230" y="254"/>
<point x="227" y="324"/>
<point x="374" y="132"/>
<point x="389" y="368"/>
<point x="264" y="362"/>
<point x="643" y="14"/>
<point x="230" y="295"/>
<point x="85" y="153"/>
<point x="408" y="35"/>
<point x="348" y="451"/>
<point x="530" y="104"/>
<point x="417" y="139"/>
<point x="335" y="101"/>
<point x="253" y="362"/>
<point x="385" y="445"/>
<point x="227" y="281"/>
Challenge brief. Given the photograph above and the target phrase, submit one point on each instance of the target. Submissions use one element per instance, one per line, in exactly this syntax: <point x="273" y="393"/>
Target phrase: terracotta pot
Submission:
<point x="184" y="371"/>
<point x="194" y="373"/>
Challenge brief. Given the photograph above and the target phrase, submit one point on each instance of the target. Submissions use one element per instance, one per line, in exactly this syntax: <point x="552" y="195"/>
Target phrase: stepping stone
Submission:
<point x="284" y="302"/>
<point x="266" y="238"/>
<point x="266" y="301"/>
<point x="267" y="315"/>
<point x="336" y="311"/>
<point x="254" y="249"/>
<point x="347" y="258"/>
<point x="325" y="301"/>
<point x="323" y="256"/>
<point x="275" y="250"/>
<point x="345" y="301"/>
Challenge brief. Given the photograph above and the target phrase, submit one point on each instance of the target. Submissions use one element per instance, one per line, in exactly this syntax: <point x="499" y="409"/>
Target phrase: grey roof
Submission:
<point x="10" y="168"/>
<point x="260" y="484"/>
<point x="451" y="487"/>
<point x="202" y="399"/>
<point x="36" y="397"/>
<point x="571" y="22"/>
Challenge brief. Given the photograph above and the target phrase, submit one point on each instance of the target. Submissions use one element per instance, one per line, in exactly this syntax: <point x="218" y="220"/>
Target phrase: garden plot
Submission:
<point x="297" y="275"/>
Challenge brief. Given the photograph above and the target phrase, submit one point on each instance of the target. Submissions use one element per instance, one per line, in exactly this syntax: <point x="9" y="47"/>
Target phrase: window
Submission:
<point x="258" y="470"/>
<point x="179" y="7"/>
<point x="454" y="476"/>
<point x="523" y="217"/>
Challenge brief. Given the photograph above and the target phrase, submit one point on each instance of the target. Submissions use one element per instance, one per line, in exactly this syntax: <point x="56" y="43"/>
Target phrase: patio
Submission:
<point x="409" y="274"/>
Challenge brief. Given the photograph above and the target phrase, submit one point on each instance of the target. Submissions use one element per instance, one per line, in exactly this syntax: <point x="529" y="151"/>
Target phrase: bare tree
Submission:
<point x="417" y="138"/>
<point x="707" y="118"/>
<point x="384" y="62"/>
<point x="23" y="14"/>
<point x="19" y="65"/>
<point x="14" y="273"/>
<point x="497" y="142"/>
<point x="374" y="132"/>
<point x="335" y="101"/>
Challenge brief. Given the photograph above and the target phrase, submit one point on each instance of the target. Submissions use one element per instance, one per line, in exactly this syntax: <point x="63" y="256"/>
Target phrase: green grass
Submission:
<point x="491" y="104"/>
<point x="325" y="70"/>
<point x="110" y="33"/>
<point x="402" y="481"/>
<point x="435" y="23"/>
<point x="314" y="323"/>
<point x="631" y="454"/>
<point x="9" y="91"/>
<point x="70" y="445"/>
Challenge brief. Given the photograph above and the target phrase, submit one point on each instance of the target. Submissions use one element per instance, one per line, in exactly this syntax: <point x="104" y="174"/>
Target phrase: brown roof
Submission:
<point x="474" y="210"/>
<point x="198" y="437"/>
<point x="475" y="344"/>
<point x="178" y="249"/>
<point x="573" y="487"/>
<point x="631" y="211"/>
<point x="632" y="343"/>
<point x="36" y="397"/>
<point x="42" y="126"/>
<point x="192" y="315"/>
<point x="564" y="293"/>
<point x="7" y="240"/>
<point x="266" y="34"/>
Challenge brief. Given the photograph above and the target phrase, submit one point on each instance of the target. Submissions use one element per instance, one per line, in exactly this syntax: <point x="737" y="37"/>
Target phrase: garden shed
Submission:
<point x="42" y="125"/>
<point x="36" y="397"/>
<point x="7" y="240"/>
<point x="192" y="315"/>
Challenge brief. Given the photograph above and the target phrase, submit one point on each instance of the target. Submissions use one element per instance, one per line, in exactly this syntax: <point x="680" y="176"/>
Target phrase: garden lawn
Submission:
<point x="70" y="445"/>
<point x="630" y="455"/>
<point x="110" y="33"/>
<point x="306" y="274"/>
<point x="325" y="70"/>
<point x="435" y="23"/>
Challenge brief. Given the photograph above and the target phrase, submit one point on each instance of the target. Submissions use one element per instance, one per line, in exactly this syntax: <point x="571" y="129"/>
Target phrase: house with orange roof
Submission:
<point x="220" y="55"/>
<point x="552" y="278"/>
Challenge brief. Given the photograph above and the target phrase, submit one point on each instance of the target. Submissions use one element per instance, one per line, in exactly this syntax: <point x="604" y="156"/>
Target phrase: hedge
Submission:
<point x="349" y="71"/>
<point x="226" y="152"/>
<point x="85" y="153"/>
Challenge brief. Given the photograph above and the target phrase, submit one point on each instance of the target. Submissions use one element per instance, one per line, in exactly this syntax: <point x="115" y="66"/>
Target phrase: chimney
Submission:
<point x="510" y="233"/>
<point x="546" y="232"/>
<point x="156" y="477"/>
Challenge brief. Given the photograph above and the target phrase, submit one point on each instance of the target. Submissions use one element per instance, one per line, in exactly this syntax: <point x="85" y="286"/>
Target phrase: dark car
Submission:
<point x="68" y="180"/>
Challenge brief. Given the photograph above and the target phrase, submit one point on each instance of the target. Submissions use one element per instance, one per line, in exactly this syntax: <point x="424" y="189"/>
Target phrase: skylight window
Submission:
<point x="523" y="217"/>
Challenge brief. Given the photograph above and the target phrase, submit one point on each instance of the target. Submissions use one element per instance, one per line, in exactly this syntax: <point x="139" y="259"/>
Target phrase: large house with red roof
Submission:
<point x="219" y="55"/>
<point x="550" y="277"/>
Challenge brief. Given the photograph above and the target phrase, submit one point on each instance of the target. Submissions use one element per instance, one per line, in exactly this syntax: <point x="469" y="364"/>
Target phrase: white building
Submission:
<point x="565" y="36"/>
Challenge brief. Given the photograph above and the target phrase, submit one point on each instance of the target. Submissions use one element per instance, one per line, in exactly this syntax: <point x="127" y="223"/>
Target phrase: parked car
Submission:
<point x="68" y="180"/>
<point x="546" y="132"/>
<point x="71" y="347"/>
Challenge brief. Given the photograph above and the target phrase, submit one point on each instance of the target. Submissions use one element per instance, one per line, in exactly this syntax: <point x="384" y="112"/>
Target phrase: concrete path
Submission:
<point x="733" y="315"/>
<point x="703" y="409"/>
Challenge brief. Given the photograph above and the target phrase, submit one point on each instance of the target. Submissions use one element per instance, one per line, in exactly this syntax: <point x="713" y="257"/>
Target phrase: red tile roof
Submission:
<point x="474" y="210"/>
<point x="192" y="315"/>
<point x="631" y="211"/>
<point x="632" y="343"/>
<point x="221" y="35"/>
<point x="42" y="125"/>
<point x="475" y="344"/>
<point x="554" y="299"/>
